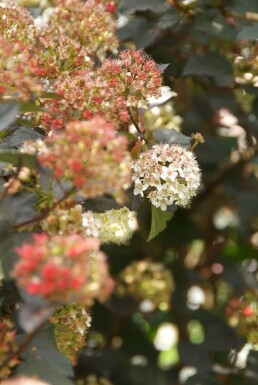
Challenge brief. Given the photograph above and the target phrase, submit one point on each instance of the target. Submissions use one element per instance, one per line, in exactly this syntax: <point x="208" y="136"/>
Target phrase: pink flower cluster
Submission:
<point x="8" y="346"/>
<point x="133" y="76"/>
<point x="92" y="156"/>
<point x="109" y="90"/>
<point x="19" y="74"/>
<point x="57" y="55"/>
<point x="90" y="23"/>
<point x="63" y="269"/>
<point x="17" y="25"/>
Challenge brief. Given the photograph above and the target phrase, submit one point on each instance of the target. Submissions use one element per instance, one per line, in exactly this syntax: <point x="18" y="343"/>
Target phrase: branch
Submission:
<point x="136" y="125"/>
<point x="244" y="157"/>
<point x="45" y="214"/>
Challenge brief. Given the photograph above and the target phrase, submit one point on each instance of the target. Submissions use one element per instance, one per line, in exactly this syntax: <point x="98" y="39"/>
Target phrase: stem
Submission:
<point x="45" y="214"/>
<point x="136" y="125"/>
<point x="27" y="339"/>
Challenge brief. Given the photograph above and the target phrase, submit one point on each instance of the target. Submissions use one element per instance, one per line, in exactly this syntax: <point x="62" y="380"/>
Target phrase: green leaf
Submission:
<point x="171" y="136"/>
<point x="211" y="64"/>
<point x="18" y="159"/>
<point x="159" y="220"/>
<point x="8" y="112"/>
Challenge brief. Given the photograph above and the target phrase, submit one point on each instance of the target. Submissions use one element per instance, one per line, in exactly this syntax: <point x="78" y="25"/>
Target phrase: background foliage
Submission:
<point x="210" y="248"/>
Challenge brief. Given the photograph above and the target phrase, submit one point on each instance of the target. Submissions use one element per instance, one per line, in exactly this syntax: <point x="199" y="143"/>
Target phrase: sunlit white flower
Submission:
<point x="166" y="175"/>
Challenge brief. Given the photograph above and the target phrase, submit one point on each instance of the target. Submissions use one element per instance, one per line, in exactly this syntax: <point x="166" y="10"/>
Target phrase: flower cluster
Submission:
<point x="164" y="116"/>
<point x="91" y="156"/>
<point x="63" y="269"/>
<point x="71" y="325"/>
<point x="166" y="175"/>
<point x="18" y="72"/>
<point x="8" y="346"/>
<point x="149" y="283"/>
<point x="108" y="90"/>
<point x="79" y="100"/>
<point x="61" y="55"/>
<point x="133" y="76"/>
<point x="242" y="313"/>
<point x="88" y="22"/>
<point x="112" y="226"/>
<point x="17" y="25"/>
<point x="64" y="221"/>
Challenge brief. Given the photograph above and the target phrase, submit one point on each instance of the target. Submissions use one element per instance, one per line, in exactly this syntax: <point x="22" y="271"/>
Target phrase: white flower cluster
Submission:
<point x="112" y="226"/>
<point x="166" y="175"/>
<point x="31" y="146"/>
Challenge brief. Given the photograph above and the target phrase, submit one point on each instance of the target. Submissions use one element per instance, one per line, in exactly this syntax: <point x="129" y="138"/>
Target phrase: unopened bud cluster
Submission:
<point x="112" y="226"/>
<point x="71" y="325"/>
<point x="166" y="175"/>
<point x="64" y="221"/>
<point x="17" y="24"/>
<point x="8" y="346"/>
<point x="146" y="280"/>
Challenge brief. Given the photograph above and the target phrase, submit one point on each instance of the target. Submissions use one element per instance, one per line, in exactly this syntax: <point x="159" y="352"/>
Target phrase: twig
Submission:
<point x="45" y="214"/>
<point x="136" y="125"/>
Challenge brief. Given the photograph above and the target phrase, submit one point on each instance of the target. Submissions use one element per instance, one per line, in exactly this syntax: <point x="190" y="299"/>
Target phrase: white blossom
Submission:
<point x="112" y="226"/>
<point x="166" y="175"/>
